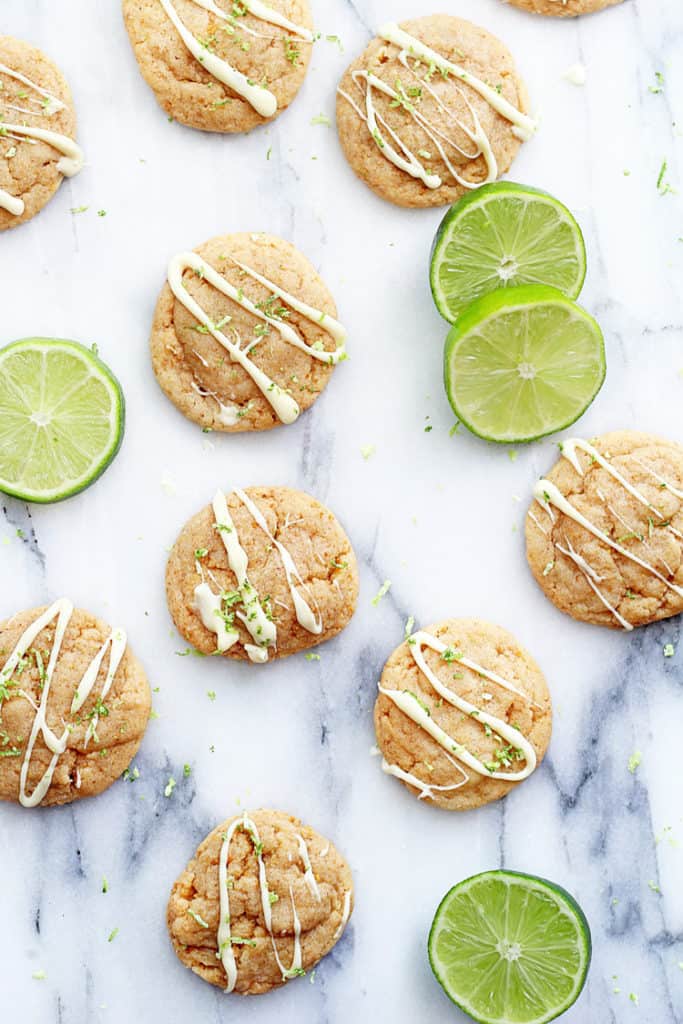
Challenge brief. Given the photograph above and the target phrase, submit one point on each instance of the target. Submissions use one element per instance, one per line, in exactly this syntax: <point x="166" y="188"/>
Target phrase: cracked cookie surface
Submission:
<point x="28" y="169"/>
<point x="87" y="766"/>
<point x="578" y="570"/>
<point x="316" y="543"/>
<point x="439" y="774"/>
<point x="322" y="901"/>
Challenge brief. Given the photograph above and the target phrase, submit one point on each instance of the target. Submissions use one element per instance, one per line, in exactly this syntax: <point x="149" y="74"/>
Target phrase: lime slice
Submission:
<point x="510" y="948"/>
<point x="500" y="236"/>
<point x="61" y="418"/>
<point x="521" y="363"/>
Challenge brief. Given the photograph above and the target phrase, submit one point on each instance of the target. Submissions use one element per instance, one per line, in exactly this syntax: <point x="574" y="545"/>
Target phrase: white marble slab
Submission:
<point x="440" y="516"/>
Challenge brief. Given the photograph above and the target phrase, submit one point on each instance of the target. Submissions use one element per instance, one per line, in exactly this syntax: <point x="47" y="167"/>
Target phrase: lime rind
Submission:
<point x="482" y="961"/>
<point x="98" y="417"/>
<point x="504" y="235"/>
<point x="493" y="333"/>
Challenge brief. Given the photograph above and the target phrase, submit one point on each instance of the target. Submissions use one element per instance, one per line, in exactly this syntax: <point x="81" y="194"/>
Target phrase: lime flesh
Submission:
<point x="510" y="948"/>
<point x="501" y="236"/>
<point x="522" y="363"/>
<point x="61" y="418"/>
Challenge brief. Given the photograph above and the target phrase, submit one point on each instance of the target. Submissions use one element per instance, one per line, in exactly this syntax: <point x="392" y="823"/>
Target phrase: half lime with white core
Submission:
<point x="521" y="363"/>
<point x="62" y="416"/>
<point x="500" y="236"/>
<point x="510" y="948"/>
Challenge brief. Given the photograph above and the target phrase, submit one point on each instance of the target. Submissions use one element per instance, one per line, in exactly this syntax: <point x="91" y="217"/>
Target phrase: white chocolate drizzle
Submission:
<point x="548" y="495"/>
<point x="285" y="407"/>
<point x="71" y="160"/>
<point x="261" y="99"/>
<point x="414" y="708"/>
<point x="254" y="616"/>
<point x="224" y="936"/>
<point x="115" y="643"/>
<point x="388" y="139"/>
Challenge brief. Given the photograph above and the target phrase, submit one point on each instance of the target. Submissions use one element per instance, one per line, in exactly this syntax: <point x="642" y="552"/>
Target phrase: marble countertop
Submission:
<point x="438" y="515"/>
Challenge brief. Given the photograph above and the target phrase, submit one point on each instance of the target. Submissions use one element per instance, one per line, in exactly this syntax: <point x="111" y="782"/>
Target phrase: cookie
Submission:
<point x="563" y="8"/>
<point x="604" y="534"/>
<point x="261" y="574"/>
<point x="221" y="67"/>
<point x="434" y="107"/>
<point x="74" y="705"/>
<point x="245" y="334"/>
<point x="463" y="714"/>
<point x="262" y="901"/>
<point x="37" y="131"/>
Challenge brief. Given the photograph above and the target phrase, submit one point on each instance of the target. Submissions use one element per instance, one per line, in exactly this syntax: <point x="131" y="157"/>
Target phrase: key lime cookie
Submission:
<point x="262" y="901"/>
<point x="260" y="574"/>
<point x="37" y="131"/>
<point x="245" y="335"/>
<point x="432" y="108"/>
<point x="604" y="533"/>
<point x="224" y="66"/>
<point x="463" y="714"/>
<point x="74" y="705"/>
<point x="563" y="8"/>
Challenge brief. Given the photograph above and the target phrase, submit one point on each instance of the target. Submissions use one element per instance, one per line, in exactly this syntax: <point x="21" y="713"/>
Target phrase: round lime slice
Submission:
<point x="500" y="236"/>
<point x="510" y="948"/>
<point x="523" y="362"/>
<point x="61" y="418"/>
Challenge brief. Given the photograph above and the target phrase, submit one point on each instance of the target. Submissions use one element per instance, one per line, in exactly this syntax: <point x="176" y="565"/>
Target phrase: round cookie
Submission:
<point x="463" y="714"/>
<point x="438" y="129"/>
<point x="94" y="703"/>
<point x="290" y="353"/>
<point x="306" y="887"/>
<point x="563" y="8"/>
<point x="221" y="66"/>
<point x="301" y="581"/>
<point x="604" y="534"/>
<point x="34" y="96"/>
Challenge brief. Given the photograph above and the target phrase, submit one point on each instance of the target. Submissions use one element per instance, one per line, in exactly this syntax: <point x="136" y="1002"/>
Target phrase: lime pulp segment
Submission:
<point x="523" y="363"/>
<point x="510" y="948"/>
<point x="500" y="236"/>
<point x="61" y="418"/>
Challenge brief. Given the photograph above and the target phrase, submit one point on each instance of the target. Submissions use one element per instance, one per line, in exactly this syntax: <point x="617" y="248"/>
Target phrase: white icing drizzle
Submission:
<point x="310" y="621"/>
<point x="285" y="407"/>
<point x="403" y="157"/>
<point x="411" y="706"/>
<point x="71" y="161"/>
<point x="346" y="910"/>
<point x="548" y="494"/>
<point x="224" y="936"/>
<point x="62" y="610"/>
<point x="261" y="99"/>
<point x="309" y="877"/>
<point x="261" y="627"/>
<point x="426" y="790"/>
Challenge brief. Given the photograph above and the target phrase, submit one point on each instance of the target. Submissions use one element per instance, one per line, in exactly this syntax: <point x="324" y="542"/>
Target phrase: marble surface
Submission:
<point x="438" y="515"/>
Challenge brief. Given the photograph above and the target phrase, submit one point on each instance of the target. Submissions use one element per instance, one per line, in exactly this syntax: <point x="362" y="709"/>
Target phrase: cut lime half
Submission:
<point x="61" y="418"/>
<point x="521" y="363"/>
<point x="510" y="948"/>
<point x="500" y="236"/>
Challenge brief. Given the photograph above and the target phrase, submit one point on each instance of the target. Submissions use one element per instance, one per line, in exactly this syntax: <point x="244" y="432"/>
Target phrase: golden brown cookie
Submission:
<point x="563" y="8"/>
<point x="432" y="108"/>
<point x="287" y="895"/>
<point x="605" y="532"/>
<point x="260" y="574"/>
<point x="463" y="714"/>
<point x="245" y="335"/>
<point x="74" y="705"/>
<point x="221" y="66"/>
<point x="37" y="131"/>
